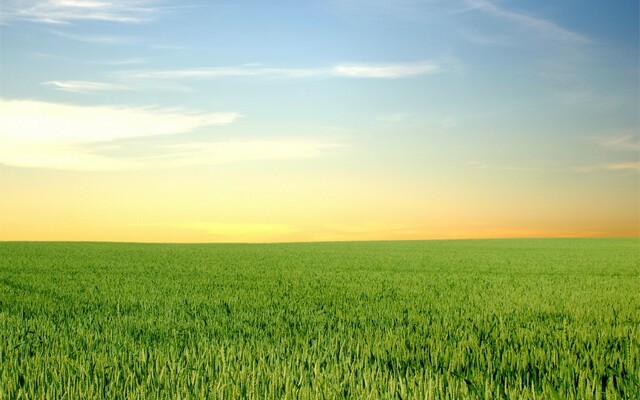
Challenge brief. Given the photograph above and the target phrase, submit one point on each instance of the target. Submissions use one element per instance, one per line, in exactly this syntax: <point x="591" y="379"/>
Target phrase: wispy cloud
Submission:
<point x="53" y="135"/>
<point x="445" y="12"/>
<point x="39" y="120"/>
<point x="84" y="86"/>
<point x="481" y="38"/>
<point x="542" y="26"/>
<point x="40" y="134"/>
<point x="386" y="71"/>
<point x="249" y="70"/>
<point x="448" y="123"/>
<point x="82" y="60"/>
<point x="622" y="166"/>
<point x="112" y="39"/>
<point x="69" y="11"/>
<point x="605" y="166"/>
<point x="97" y="39"/>
<point x="125" y="61"/>
<point x="420" y="10"/>
<point x="394" y="117"/>
<point x="200" y="153"/>
<point x="380" y="71"/>
<point x="512" y="168"/>
<point x="627" y="142"/>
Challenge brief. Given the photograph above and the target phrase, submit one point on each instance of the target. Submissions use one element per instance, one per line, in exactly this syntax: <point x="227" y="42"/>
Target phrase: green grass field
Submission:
<point x="485" y="319"/>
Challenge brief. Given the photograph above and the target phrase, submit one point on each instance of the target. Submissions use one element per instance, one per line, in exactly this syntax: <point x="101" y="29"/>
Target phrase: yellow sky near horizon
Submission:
<point x="268" y="203"/>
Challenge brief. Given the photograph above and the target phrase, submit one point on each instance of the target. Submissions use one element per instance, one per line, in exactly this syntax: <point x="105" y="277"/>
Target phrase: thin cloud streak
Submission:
<point x="98" y="39"/>
<point x="385" y="71"/>
<point x="610" y="166"/>
<point x="375" y="71"/>
<point x="512" y="168"/>
<point x="117" y="40"/>
<point x="412" y="10"/>
<point x="394" y="117"/>
<point x="82" y="60"/>
<point x="624" y="142"/>
<point x="224" y="72"/>
<point x="631" y="166"/>
<point x="622" y="166"/>
<point x="542" y="26"/>
<point x="483" y="39"/>
<point x="203" y="153"/>
<point x="126" y="61"/>
<point x="442" y="10"/>
<point x="84" y="86"/>
<point x="69" y="11"/>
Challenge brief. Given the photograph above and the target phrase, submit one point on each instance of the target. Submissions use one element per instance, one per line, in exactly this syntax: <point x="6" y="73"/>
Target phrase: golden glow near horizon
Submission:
<point x="318" y="121"/>
<point x="271" y="205"/>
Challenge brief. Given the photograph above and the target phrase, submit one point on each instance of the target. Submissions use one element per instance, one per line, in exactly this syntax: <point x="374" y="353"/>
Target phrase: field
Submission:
<point x="485" y="319"/>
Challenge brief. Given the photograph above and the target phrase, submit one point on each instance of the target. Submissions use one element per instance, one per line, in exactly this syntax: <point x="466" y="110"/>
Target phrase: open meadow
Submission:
<point x="478" y="319"/>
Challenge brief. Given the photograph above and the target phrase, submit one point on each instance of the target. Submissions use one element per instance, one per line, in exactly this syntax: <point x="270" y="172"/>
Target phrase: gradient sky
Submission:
<point x="217" y="121"/>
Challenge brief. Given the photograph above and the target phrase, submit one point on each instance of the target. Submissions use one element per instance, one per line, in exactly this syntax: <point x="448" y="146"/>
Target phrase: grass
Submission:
<point x="486" y="319"/>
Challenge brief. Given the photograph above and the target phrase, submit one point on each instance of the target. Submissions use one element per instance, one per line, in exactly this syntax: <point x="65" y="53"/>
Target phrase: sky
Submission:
<point x="255" y="121"/>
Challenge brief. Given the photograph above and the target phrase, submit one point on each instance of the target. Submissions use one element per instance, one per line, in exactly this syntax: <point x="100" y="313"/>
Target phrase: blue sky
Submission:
<point x="501" y="93"/>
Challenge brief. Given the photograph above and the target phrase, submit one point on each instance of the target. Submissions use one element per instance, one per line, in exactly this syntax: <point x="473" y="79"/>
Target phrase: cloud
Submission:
<point x="542" y="26"/>
<point x="393" y="118"/>
<point x="445" y="12"/>
<point x="249" y="70"/>
<point x="68" y="11"/>
<point x="477" y="37"/>
<point x="84" y="86"/>
<point x="622" y="142"/>
<point x="39" y="120"/>
<point x="380" y="71"/>
<point x="412" y="10"/>
<point x="202" y="153"/>
<point x="385" y="71"/>
<point x="98" y="39"/>
<point x="126" y="61"/>
<point x="53" y="135"/>
<point x="622" y="166"/>
<point x="607" y="166"/>
<point x="84" y="60"/>
<point x="38" y="134"/>
<point x="511" y="168"/>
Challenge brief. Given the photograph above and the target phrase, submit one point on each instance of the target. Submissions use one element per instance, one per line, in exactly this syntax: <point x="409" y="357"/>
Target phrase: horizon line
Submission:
<point x="331" y="241"/>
